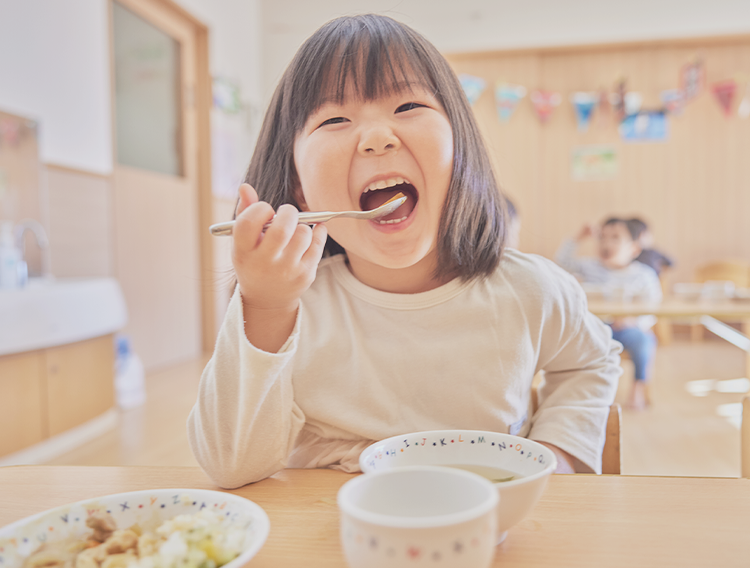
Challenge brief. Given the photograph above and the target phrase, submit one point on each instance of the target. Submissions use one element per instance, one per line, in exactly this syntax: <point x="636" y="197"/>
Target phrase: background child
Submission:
<point x="616" y="270"/>
<point x="417" y="321"/>
<point x="649" y="255"/>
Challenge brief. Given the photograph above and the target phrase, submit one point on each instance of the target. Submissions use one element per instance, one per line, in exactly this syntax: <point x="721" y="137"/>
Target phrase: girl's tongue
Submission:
<point x="373" y="199"/>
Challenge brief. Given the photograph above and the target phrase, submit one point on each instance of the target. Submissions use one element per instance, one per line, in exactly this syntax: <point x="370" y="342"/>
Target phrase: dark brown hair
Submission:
<point x="630" y="227"/>
<point x="376" y="56"/>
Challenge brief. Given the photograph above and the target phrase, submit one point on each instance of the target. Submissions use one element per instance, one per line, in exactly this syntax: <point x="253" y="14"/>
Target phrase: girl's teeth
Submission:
<point x="392" y="221"/>
<point x="382" y="184"/>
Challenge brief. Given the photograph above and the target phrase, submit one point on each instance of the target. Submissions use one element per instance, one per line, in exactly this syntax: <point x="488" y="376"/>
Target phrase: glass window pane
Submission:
<point x="147" y="95"/>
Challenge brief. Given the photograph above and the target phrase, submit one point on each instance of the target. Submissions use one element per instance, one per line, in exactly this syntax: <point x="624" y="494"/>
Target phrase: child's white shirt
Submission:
<point x="362" y="365"/>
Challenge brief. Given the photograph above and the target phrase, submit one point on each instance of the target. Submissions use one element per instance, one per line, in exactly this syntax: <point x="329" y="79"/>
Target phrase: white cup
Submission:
<point x="431" y="514"/>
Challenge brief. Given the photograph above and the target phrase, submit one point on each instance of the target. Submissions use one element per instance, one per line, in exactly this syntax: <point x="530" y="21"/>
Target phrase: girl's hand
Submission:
<point x="274" y="267"/>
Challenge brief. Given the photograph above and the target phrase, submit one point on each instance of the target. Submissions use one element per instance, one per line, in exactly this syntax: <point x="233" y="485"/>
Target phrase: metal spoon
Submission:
<point x="312" y="217"/>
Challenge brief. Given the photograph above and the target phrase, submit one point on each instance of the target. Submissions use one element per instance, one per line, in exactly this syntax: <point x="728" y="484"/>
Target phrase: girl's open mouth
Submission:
<point x="379" y="192"/>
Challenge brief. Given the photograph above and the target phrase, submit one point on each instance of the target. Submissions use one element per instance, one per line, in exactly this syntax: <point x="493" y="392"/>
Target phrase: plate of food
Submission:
<point x="161" y="528"/>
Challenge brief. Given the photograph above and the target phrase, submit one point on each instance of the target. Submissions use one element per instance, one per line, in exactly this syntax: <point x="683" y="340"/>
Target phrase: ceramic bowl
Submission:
<point x="533" y="462"/>
<point x="418" y="515"/>
<point x="147" y="508"/>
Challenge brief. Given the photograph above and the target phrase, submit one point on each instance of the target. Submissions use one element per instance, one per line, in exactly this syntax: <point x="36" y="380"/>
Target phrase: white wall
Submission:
<point x="54" y="67"/>
<point x="475" y="25"/>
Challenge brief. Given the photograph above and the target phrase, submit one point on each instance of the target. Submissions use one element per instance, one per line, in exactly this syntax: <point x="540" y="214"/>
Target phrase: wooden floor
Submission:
<point x="679" y="435"/>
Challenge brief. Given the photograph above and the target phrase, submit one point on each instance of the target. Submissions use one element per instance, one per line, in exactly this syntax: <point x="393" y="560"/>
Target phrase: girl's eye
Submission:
<point x="408" y="106"/>
<point x="335" y="120"/>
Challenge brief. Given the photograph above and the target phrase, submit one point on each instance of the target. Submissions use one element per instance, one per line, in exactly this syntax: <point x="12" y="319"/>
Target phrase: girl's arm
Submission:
<point x="581" y="364"/>
<point x="245" y="422"/>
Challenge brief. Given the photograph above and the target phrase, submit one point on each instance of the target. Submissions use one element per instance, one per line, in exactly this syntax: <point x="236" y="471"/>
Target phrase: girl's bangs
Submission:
<point x="366" y="64"/>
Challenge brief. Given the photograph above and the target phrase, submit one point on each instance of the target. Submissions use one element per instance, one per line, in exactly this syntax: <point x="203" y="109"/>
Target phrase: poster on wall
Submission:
<point x="593" y="163"/>
<point x="645" y="126"/>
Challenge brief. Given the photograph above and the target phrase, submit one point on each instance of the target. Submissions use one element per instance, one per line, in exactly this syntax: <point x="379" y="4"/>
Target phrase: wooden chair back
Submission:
<point x="611" y="452"/>
<point x="745" y="438"/>
<point x="737" y="271"/>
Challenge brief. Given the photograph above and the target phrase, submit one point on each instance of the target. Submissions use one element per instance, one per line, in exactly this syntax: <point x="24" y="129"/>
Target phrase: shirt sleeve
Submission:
<point x="245" y="421"/>
<point x="581" y="365"/>
<point x="566" y="257"/>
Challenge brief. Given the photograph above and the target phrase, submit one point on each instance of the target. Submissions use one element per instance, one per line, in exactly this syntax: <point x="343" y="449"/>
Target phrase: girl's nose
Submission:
<point x="377" y="140"/>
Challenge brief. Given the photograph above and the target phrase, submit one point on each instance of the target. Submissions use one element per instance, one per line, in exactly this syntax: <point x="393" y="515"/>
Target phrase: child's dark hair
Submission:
<point x="617" y="220"/>
<point x="636" y="227"/>
<point x="376" y="56"/>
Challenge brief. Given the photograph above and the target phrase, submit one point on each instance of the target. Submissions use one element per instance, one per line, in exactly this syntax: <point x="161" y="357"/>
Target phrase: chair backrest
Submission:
<point x="737" y="271"/>
<point x="611" y="451"/>
<point x="745" y="438"/>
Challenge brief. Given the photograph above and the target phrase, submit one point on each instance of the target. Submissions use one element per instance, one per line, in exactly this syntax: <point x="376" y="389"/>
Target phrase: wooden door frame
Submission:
<point x="203" y="100"/>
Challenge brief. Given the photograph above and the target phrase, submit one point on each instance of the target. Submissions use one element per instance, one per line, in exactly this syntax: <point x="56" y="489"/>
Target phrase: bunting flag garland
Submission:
<point x="544" y="103"/>
<point x="473" y="86"/>
<point x="673" y="101"/>
<point x="617" y="99"/>
<point x="692" y="79"/>
<point x="584" y="104"/>
<point x="633" y="102"/>
<point x="507" y="97"/>
<point x="724" y="92"/>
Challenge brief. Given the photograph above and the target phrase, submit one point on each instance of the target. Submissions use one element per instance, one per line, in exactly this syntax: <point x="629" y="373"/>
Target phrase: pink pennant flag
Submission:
<point x="544" y="103"/>
<point x="724" y="92"/>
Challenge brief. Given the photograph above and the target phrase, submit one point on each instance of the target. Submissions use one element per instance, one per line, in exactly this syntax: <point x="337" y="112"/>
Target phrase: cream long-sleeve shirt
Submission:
<point x="362" y="365"/>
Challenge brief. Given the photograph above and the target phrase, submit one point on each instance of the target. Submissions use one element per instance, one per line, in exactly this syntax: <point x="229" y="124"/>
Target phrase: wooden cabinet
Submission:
<point x="47" y="392"/>
<point x="22" y="414"/>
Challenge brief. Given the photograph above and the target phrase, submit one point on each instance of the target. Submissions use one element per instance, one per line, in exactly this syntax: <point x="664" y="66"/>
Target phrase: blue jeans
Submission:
<point x="640" y="345"/>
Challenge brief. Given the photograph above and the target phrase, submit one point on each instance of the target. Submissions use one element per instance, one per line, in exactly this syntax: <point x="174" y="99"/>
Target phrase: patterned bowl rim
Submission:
<point x="549" y="469"/>
<point x="261" y="522"/>
<point x="392" y="521"/>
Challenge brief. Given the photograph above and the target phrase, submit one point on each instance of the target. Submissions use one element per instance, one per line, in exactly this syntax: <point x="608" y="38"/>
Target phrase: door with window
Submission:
<point x="155" y="179"/>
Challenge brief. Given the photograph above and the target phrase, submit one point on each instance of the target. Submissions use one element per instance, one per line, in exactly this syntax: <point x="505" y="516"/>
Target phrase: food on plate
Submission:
<point x="200" y="540"/>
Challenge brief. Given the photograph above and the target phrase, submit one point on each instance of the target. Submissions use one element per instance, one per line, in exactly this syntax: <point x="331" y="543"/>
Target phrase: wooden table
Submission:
<point x="675" y="308"/>
<point x="581" y="520"/>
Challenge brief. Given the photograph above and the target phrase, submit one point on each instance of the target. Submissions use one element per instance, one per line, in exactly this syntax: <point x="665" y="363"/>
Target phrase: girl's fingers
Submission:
<point x="282" y="229"/>
<point x="318" y="242"/>
<point x="248" y="228"/>
<point x="248" y="196"/>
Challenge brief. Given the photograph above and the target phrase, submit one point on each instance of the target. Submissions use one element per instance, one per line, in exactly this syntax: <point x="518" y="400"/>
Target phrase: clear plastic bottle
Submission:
<point x="130" y="387"/>
<point x="12" y="266"/>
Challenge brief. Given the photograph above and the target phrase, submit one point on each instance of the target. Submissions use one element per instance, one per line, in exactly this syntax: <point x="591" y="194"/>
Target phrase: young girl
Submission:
<point x="417" y="321"/>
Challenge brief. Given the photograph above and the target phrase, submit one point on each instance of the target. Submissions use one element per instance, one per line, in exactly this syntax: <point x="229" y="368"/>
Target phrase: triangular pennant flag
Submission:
<point x="544" y="103"/>
<point x="673" y="101"/>
<point x="724" y="92"/>
<point x="584" y="104"/>
<point x="507" y="97"/>
<point x="692" y="79"/>
<point x="472" y="86"/>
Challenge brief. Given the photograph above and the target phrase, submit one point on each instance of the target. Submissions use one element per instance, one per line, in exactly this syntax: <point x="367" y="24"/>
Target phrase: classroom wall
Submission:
<point x="474" y="25"/>
<point x="692" y="188"/>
